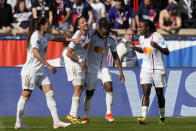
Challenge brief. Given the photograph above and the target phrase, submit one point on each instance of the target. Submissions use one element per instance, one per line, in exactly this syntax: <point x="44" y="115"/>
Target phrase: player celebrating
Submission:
<point x="76" y="65"/>
<point x="98" y="67"/>
<point x="152" y="46"/>
<point x="33" y="72"/>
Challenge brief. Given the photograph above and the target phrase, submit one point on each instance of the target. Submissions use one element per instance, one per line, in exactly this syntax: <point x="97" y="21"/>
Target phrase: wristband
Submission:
<point x="80" y="60"/>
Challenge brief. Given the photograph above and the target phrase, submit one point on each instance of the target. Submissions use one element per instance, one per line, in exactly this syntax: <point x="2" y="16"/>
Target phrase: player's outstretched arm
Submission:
<point x="118" y="64"/>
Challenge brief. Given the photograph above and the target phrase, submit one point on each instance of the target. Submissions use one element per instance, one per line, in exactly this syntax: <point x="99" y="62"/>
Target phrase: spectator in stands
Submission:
<point x="82" y="8"/>
<point x="13" y="4"/>
<point x="121" y="16"/>
<point x="170" y="19"/>
<point x="21" y="17"/>
<point x="42" y="8"/>
<point x="98" y="11"/>
<point x="62" y="13"/>
<point x="6" y="16"/>
<point x="147" y="10"/>
<point x="126" y="54"/>
<point x="108" y="5"/>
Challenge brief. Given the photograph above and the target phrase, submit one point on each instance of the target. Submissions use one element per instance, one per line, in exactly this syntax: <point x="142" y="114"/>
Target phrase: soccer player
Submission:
<point x="152" y="45"/>
<point x="75" y="65"/>
<point x="33" y="72"/>
<point x="97" y="65"/>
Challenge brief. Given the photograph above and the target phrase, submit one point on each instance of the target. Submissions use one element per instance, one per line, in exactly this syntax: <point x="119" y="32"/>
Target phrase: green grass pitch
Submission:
<point x="100" y="124"/>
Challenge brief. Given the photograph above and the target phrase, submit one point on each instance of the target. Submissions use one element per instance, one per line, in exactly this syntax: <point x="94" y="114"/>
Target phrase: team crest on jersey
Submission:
<point x="163" y="43"/>
<point x="87" y="45"/>
<point x="147" y="50"/>
<point x="98" y="49"/>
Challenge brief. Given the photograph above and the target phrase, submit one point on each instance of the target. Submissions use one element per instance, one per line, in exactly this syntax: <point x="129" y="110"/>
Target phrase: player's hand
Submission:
<point x="122" y="78"/>
<point x="132" y="45"/>
<point x="83" y="65"/>
<point x="52" y="69"/>
<point x="153" y="44"/>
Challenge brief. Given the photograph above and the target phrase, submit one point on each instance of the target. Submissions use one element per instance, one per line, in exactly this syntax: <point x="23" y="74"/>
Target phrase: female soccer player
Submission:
<point x="152" y="46"/>
<point x="76" y="65"/>
<point x="33" y="72"/>
<point x="97" y="65"/>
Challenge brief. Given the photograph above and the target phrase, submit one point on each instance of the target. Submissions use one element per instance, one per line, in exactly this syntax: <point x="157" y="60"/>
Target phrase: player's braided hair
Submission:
<point x="35" y="24"/>
<point x="150" y="24"/>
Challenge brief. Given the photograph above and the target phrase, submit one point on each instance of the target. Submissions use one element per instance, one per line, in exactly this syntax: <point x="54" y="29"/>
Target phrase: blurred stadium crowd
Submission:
<point x="168" y="15"/>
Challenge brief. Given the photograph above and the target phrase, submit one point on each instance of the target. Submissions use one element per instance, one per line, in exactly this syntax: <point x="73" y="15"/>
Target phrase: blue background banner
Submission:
<point x="180" y="94"/>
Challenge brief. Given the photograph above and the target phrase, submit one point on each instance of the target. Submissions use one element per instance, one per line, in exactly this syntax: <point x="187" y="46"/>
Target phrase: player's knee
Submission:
<point x="89" y="93"/>
<point x="50" y="93"/>
<point x="108" y="86"/>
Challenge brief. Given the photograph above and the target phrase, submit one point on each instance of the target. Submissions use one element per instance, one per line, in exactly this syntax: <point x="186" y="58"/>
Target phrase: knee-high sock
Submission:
<point x="109" y="101"/>
<point x="52" y="106"/>
<point x="87" y="106"/>
<point x="20" y="109"/>
<point x="144" y="111"/>
<point x="162" y="112"/>
<point x="75" y="106"/>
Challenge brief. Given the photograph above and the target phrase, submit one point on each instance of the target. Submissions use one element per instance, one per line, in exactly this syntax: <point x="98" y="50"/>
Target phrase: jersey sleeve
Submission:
<point x="34" y="41"/>
<point x="112" y="44"/>
<point x="76" y="35"/>
<point x="158" y="38"/>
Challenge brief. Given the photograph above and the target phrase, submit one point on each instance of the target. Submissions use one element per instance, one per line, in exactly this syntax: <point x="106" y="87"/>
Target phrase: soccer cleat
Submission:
<point x="109" y="117"/>
<point x="61" y="125"/>
<point x="21" y="126"/>
<point x="74" y="120"/>
<point x="141" y="120"/>
<point x="162" y="121"/>
<point x="85" y="120"/>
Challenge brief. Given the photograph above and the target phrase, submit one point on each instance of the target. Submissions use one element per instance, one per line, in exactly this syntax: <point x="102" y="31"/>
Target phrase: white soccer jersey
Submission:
<point x="98" y="52"/>
<point x="152" y="58"/>
<point x="80" y="50"/>
<point x="32" y="65"/>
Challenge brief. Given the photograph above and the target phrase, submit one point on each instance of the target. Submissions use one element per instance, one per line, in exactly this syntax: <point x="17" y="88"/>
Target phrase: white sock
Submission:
<point x="144" y="111"/>
<point x="52" y="106"/>
<point x="109" y="101"/>
<point x="20" y="109"/>
<point x="87" y="105"/>
<point x="162" y="112"/>
<point x="74" y="106"/>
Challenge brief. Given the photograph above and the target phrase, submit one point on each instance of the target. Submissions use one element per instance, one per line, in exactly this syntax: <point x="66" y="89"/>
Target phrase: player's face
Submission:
<point x="46" y="27"/>
<point x="103" y="32"/>
<point x="142" y="28"/>
<point x="82" y="24"/>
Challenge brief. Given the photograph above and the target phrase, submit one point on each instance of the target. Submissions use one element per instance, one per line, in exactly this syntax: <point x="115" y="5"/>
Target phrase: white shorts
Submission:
<point x="30" y="81"/>
<point x="75" y="73"/>
<point x="91" y="78"/>
<point x="156" y="79"/>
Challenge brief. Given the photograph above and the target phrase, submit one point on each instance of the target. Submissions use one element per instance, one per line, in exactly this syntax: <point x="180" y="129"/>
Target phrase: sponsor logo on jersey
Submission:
<point x="147" y="50"/>
<point x="98" y="49"/>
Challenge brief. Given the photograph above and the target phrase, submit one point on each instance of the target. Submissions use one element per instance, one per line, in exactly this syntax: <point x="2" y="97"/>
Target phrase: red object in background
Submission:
<point x="135" y="6"/>
<point x="75" y="16"/>
<point x="14" y="52"/>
